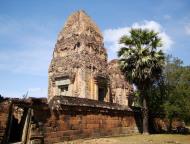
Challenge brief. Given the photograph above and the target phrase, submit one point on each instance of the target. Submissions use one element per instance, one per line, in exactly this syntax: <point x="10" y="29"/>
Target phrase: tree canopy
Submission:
<point x="142" y="63"/>
<point x="177" y="103"/>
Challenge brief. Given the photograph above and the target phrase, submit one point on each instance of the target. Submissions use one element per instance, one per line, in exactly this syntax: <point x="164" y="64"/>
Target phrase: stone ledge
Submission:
<point x="60" y="101"/>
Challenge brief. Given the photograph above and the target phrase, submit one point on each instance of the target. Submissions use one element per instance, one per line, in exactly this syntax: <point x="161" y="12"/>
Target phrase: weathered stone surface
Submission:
<point x="121" y="90"/>
<point x="4" y="118"/>
<point x="18" y="113"/>
<point x="79" y="66"/>
<point x="58" y="103"/>
<point x="79" y="75"/>
<point x="73" y="118"/>
<point x="80" y="58"/>
<point x="68" y="118"/>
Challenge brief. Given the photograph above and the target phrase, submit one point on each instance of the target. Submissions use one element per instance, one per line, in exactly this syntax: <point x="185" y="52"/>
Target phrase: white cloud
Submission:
<point x="112" y="36"/>
<point x="187" y="29"/>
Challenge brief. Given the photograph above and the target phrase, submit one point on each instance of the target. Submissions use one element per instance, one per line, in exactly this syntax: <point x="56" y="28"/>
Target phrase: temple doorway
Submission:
<point x="101" y="94"/>
<point x="16" y="127"/>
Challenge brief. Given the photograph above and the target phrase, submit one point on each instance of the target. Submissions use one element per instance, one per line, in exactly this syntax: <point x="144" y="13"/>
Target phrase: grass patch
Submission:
<point x="137" y="139"/>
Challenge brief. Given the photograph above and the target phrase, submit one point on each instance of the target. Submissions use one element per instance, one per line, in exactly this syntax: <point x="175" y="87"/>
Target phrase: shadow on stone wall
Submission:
<point x="138" y="118"/>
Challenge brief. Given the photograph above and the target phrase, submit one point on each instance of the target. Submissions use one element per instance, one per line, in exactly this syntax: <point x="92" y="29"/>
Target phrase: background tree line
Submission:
<point x="171" y="94"/>
<point x="163" y="83"/>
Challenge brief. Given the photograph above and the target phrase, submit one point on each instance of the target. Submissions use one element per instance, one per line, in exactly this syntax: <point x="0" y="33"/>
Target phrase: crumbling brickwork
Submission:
<point x="121" y="90"/>
<point x="79" y="66"/>
<point x="65" y="118"/>
<point x="71" y="118"/>
<point x="4" y="118"/>
<point x="79" y="60"/>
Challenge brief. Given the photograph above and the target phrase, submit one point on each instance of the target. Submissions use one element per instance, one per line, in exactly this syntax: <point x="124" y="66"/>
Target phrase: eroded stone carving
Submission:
<point x="79" y="65"/>
<point x="120" y="87"/>
<point x="79" y="57"/>
<point x="18" y="113"/>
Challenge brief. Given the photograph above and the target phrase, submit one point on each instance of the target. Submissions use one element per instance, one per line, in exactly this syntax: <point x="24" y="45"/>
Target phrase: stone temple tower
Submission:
<point x="121" y="90"/>
<point x="79" y="64"/>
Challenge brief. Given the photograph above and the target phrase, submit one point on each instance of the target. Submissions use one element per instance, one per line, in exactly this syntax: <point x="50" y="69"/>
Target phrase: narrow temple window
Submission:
<point x="64" y="88"/>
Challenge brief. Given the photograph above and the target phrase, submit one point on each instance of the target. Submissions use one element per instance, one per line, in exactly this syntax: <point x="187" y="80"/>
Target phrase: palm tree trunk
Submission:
<point x="145" y="115"/>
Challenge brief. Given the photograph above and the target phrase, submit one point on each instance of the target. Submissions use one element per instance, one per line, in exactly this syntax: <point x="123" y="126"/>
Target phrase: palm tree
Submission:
<point x="142" y="63"/>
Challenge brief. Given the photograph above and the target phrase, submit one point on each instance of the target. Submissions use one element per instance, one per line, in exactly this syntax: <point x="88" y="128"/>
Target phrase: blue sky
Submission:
<point x="29" y="29"/>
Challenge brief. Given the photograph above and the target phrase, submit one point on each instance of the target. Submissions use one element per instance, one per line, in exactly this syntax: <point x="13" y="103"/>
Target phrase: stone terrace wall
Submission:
<point x="67" y="118"/>
<point x="74" y="118"/>
<point x="68" y="127"/>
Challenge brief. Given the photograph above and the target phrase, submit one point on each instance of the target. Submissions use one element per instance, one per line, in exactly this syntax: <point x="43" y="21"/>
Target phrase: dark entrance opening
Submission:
<point x="101" y="94"/>
<point x="16" y="128"/>
<point x="64" y="88"/>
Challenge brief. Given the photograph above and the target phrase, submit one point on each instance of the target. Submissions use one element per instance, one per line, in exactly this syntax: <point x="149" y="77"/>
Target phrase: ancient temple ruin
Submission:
<point x="79" y="67"/>
<point x="87" y="96"/>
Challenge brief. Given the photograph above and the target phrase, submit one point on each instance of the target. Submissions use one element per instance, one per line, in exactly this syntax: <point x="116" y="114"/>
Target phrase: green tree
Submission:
<point x="142" y="63"/>
<point x="158" y="96"/>
<point x="177" y="104"/>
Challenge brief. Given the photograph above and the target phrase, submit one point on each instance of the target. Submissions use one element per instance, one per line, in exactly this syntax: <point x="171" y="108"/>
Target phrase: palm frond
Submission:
<point x="139" y="59"/>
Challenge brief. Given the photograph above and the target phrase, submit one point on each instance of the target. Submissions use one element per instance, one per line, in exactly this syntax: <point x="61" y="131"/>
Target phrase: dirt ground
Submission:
<point x="137" y="139"/>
